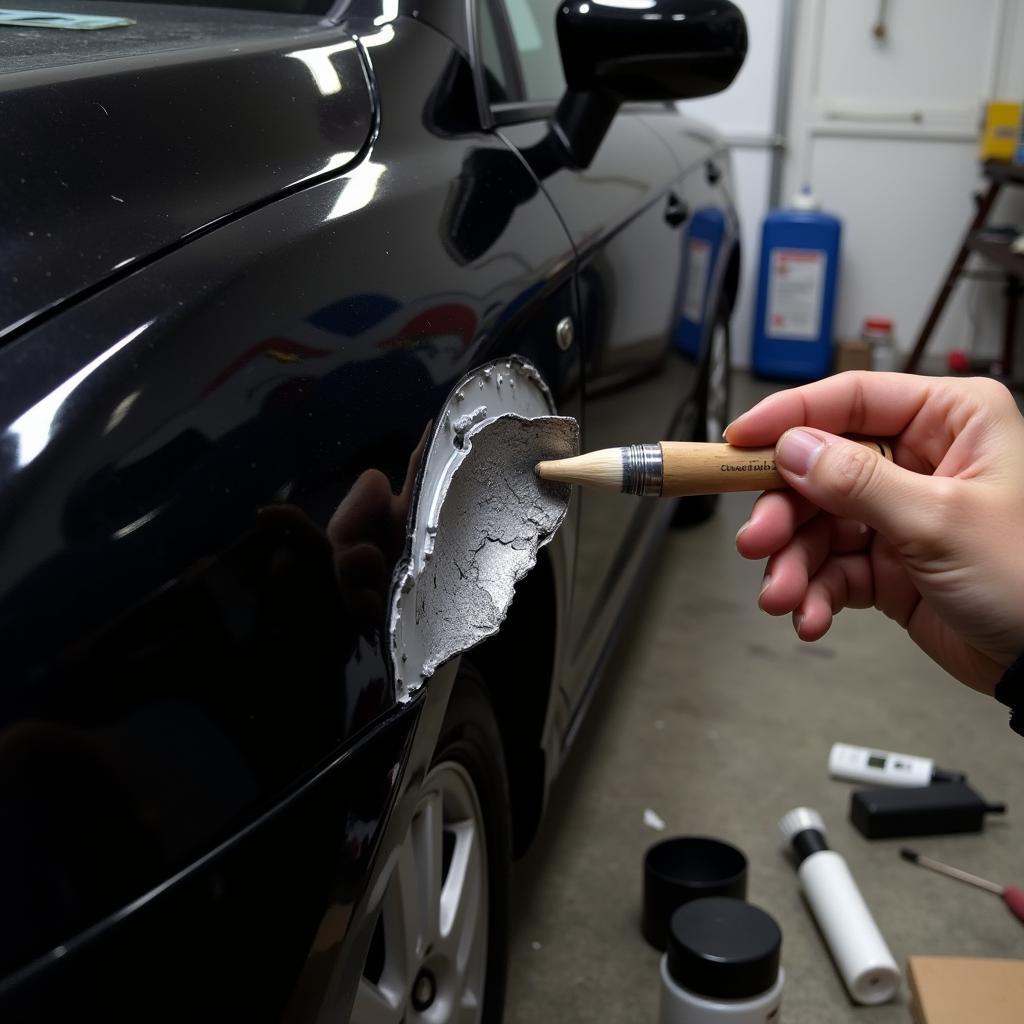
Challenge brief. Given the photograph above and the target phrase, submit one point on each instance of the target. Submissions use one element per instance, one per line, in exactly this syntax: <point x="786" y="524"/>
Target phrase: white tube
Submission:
<point x="857" y="946"/>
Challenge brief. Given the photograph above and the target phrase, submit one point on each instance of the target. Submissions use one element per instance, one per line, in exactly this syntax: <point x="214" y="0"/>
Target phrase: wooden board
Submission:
<point x="959" y="990"/>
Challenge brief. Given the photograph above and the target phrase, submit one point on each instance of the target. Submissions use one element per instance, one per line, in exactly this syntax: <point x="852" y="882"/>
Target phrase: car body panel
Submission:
<point x="178" y="446"/>
<point x="120" y="159"/>
<point x="239" y="934"/>
<point x="206" y="462"/>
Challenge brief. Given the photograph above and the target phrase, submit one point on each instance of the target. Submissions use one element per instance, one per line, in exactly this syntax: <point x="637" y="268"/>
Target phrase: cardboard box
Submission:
<point x="964" y="990"/>
<point x="853" y="354"/>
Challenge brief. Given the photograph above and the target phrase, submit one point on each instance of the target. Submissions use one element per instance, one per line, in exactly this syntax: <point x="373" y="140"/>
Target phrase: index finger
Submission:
<point x="856" y="402"/>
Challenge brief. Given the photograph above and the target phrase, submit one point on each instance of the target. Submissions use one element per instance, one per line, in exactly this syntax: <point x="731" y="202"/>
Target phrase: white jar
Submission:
<point x="878" y="333"/>
<point x="722" y="965"/>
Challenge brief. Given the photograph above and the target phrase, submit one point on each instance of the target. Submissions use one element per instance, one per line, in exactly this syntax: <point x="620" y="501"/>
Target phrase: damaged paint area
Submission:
<point x="482" y="514"/>
<point x="495" y="517"/>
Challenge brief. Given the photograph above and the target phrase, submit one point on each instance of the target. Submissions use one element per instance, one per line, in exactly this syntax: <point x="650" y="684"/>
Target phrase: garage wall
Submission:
<point x="886" y="132"/>
<point x="748" y="114"/>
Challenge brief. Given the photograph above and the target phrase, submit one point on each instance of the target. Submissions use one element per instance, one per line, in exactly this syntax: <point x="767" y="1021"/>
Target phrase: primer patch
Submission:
<point x="481" y="523"/>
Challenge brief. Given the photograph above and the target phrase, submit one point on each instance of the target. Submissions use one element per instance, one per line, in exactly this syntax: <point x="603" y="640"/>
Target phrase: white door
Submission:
<point x="884" y="123"/>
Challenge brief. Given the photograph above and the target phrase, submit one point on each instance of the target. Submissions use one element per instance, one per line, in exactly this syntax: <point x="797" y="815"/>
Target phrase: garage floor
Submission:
<point x="717" y="718"/>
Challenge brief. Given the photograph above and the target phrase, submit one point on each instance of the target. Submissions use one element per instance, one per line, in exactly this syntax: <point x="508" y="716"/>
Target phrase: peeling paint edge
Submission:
<point x="441" y="459"/>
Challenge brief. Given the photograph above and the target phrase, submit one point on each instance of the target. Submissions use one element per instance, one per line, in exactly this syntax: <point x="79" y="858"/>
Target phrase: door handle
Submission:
<point x="676" y="211"/>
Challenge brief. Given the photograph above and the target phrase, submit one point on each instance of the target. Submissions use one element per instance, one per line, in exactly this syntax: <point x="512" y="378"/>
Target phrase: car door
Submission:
<point x="205" y="469"/>
<point x="626" y="214"/>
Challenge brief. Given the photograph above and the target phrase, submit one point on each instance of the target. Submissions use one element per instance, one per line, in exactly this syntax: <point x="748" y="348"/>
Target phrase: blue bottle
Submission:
<point x="703" y="241"/>
<point x="796" y="292"/>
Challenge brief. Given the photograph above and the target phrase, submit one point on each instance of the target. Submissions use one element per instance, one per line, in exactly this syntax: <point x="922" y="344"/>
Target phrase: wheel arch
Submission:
<point x="731" y="278"/>
<point x="517" y="665"/>
<point x="516" y="655"/>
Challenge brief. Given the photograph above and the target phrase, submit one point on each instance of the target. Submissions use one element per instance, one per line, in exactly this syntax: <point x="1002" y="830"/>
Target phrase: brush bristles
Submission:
<point x="601" y="469"/>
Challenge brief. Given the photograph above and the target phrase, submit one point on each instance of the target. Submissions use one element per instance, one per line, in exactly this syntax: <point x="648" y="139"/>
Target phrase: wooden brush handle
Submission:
<point x="698" y="467"/>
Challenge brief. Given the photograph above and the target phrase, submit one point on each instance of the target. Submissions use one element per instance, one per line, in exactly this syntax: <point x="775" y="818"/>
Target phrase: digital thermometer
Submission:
<point x="880" y="767"/>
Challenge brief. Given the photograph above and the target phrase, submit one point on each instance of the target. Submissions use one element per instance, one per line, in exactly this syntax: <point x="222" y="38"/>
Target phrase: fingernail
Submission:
<point x="797" y="622"/>
<point x="729" y="426"/>
<point x="797" y="450"/>
<point x="765" y="584"/>
<point x="742" y="528"/>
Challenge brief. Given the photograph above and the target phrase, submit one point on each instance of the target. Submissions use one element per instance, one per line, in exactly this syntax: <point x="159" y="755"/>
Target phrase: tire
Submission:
<point x="713" y="418"/>
<point x="462" y="825"/>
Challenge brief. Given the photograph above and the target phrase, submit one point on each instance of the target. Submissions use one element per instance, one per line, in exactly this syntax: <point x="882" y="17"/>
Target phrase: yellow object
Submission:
<point x="1002" y="123"/>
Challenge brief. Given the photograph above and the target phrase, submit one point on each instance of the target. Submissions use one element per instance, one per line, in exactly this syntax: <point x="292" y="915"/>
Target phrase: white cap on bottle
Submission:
<point x="805" y="199"/>
<point x="798" y="820"/>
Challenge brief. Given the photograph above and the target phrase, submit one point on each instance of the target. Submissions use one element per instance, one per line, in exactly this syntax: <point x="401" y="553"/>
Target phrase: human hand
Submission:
<point x="935" y="540"/>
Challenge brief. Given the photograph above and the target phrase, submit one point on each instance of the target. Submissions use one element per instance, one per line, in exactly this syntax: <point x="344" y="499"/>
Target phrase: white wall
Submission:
<point x="747" y="107"/>
<point x="745" y="114"/>
<point x="752" y="170"/>
<point x="887" y="134"/>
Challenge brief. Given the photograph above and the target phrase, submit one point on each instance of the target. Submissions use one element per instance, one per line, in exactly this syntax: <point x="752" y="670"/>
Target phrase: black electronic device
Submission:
<point x="920" y="811"/>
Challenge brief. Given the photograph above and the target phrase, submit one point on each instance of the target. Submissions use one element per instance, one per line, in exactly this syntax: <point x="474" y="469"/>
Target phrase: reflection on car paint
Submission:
<point x="702" y="244"/>
<point x="202" y="534"/>
<point x="226" y="403"/>
<point x="92" y="192"/>
<point x="29" y="434"/>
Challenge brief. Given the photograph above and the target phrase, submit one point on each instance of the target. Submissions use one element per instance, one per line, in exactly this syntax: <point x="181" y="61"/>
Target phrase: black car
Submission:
<point x="248" y="255"/>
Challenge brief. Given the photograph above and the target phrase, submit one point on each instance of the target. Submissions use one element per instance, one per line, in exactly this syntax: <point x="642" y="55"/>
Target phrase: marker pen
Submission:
<point x="860" y="952"/>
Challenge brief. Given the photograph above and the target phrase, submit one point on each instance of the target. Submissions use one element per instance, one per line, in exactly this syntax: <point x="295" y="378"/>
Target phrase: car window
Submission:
<point x="495" y="58"/>
<point x="531" y="24"/>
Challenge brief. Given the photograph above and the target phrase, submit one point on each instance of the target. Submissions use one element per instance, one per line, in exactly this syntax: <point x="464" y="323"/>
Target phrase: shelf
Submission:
<point x="1004" y="172"/>
<point x="997" y="251"/>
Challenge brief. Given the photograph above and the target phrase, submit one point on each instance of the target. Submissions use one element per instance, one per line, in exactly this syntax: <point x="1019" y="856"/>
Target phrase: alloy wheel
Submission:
<point x="427" y="962"/>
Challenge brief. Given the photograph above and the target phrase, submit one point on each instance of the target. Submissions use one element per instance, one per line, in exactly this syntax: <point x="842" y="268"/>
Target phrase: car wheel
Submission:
<point x="439" y="950"/>
<point x="714" y="416"/>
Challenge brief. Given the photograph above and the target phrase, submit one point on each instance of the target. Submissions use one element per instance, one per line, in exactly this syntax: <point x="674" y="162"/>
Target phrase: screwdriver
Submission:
<point x="1012" y="896"/>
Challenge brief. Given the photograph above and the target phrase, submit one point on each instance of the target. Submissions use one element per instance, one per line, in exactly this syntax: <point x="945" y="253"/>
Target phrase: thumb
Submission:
<point x="853" y="481"/>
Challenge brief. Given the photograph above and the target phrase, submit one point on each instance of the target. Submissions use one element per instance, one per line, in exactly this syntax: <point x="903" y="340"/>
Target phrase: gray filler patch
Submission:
<point x="496" y="516"/>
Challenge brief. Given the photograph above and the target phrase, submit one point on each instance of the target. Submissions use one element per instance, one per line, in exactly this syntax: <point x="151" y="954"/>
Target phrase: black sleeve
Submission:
<point x="1010" y="691"/>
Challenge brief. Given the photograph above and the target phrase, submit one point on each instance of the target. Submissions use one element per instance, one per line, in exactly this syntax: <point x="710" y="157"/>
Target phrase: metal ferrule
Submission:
<point x="642" y="470"/>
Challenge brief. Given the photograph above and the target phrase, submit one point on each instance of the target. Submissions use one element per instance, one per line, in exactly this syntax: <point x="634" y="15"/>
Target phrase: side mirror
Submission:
<point x="616" y="51"/>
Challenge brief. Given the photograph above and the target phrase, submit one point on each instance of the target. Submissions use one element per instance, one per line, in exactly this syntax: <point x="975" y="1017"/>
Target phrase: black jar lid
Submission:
<point x="684" y="868"/>
<point x="723" y="948"/>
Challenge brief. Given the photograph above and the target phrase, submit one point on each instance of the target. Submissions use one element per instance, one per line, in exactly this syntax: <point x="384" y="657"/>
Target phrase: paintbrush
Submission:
<point x="674" y="469"/>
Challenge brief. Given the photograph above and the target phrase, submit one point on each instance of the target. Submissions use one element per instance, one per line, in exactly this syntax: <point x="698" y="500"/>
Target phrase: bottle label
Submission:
<point x="698" y="258"/>
<point x="796" y="291"/>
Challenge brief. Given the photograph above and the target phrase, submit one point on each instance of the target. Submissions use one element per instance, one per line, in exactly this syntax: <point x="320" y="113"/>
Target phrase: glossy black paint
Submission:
<point x="206" y="465"/>
<point x="114" y="168"/>
<point x="665" y="50"/>
<point x="671" y="49"/>
<point x="227" y="938"/>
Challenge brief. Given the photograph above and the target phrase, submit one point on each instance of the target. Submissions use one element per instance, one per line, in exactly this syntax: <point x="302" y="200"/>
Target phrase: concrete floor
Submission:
<point x="719" y="719"/>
